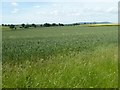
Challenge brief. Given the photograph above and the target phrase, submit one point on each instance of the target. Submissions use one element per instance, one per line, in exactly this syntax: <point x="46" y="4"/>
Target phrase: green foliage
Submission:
<point x="23" y="25"/>
<point x="61" y="57"/>
<point x="12" y="26"/>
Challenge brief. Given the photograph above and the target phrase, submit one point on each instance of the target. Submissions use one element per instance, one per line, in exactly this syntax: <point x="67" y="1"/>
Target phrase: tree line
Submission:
<point x="12" y="26"/>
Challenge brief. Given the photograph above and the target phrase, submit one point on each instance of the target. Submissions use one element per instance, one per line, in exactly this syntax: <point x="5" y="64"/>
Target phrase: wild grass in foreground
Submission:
<point x="61" y="57"/>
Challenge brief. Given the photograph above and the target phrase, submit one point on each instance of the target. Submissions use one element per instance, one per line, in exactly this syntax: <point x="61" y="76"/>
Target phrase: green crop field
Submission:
<point x="60" y="57"/>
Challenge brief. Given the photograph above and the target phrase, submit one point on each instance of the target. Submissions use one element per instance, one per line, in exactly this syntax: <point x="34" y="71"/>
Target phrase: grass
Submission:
<point x="60" y="57"/>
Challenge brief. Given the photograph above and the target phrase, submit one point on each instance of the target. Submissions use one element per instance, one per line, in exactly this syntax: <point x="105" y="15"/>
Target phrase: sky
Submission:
<point x="58" y="11"/>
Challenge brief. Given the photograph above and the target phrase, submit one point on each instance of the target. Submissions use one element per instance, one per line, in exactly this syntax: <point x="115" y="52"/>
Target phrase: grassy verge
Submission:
<point x="73" y="70"/>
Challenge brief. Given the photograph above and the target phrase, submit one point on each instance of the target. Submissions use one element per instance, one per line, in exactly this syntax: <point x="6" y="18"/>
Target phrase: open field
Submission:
<point x="99" y="25"/>
<point x="60" y="57"/>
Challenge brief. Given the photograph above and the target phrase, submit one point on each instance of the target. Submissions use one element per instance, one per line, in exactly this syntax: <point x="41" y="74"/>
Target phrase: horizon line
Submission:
<point x="65" y="23"/>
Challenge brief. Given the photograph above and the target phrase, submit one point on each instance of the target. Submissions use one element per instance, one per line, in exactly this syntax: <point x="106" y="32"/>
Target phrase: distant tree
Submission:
<point x="23" y="25"/>
<point x="27" y="26"/>
<point x="8" y="25"/>
<point x="47" y="25"/>
<point x="12" y="26"/>
<point x="76" y="24"/>
<point x="41" y="25"/>
<point x="20" y="27"/>
<point x="3" y="25"/>
<point x="61" y="24"/>
<point x="34" y="25"/>
<point x="54" y="24"/>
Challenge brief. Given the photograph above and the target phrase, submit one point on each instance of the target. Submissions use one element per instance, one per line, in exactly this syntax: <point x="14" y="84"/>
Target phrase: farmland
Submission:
<point x="60" y="57"/>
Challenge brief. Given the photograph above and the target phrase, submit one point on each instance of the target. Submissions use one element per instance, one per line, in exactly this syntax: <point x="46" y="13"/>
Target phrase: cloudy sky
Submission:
<point x="58" y="11"/>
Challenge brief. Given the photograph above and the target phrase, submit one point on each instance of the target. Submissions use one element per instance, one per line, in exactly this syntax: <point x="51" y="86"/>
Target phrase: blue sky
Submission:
<point x="54" y="11"/>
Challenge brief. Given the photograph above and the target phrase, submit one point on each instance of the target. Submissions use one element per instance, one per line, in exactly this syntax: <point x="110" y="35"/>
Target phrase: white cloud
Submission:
<point x="15" y="10"/>
<point x="14" y="4"/>
<point x="99" y="10"/>
<point x="37" y="6"/>
<point x="55" y="12"/>
<point x="104" y="1"/>
<point x="65" y="12"/>
<point x="41" y="12"/>
<point x="112" y="10"/>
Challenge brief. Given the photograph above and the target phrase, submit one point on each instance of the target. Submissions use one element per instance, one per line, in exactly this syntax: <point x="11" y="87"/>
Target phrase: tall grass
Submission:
<point x="60" y="57"/>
